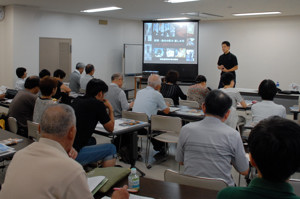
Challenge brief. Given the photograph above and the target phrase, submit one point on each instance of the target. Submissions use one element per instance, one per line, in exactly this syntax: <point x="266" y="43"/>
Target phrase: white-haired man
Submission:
<point x="116" y="96"/>
<point x="149" y="100"/>
<point x="75" y="77"/>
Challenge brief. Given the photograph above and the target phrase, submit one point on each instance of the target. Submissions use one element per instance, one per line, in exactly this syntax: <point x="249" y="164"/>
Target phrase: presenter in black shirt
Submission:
<point x="227" y="62"/>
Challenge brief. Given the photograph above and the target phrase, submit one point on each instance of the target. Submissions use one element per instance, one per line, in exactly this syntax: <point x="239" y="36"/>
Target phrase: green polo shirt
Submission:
<point x="259" y="188"/>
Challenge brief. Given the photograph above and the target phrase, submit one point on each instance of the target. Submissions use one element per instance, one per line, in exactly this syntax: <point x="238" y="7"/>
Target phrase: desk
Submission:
<point x="120" y="129"/>
<point x="166" y="190"/>
<point x="5" y="102"/>
<point x="6" y="135"/>
<point x="185" y="113"/>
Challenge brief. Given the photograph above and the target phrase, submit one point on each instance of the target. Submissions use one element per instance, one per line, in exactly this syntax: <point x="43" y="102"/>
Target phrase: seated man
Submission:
<point x="116" y="96"/>
<point x="89" y="110"/>
<point x="274" y="146"/>
<point x="22" y="74"/>
<point x="75" y="77"/>
<point x="89" y="72"/>
<point x="44" y="169"/>
<point x="62" y="91"/>
<point x="199" y="91"/>
<point x="209" y="148"/>
<point x="266" y="108"/>
<point x="149" y="100"/>
<point x="22" y="105"/>
<point x="227" y="80"/>
<point x="48" y="86"/>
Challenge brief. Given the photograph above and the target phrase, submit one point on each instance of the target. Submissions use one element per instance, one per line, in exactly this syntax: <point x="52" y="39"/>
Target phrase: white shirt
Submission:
<point x="20" y="84"/>
<point x="265" y="109"/>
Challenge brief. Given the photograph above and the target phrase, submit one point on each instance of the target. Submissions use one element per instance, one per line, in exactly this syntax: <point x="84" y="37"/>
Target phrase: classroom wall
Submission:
<point x="265" y="48"/>
<point x="6" y="48"/>
<point x="101" y="45"/>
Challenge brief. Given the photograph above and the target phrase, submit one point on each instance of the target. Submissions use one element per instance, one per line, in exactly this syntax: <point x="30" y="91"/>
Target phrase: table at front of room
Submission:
<point x="165" y="190"/>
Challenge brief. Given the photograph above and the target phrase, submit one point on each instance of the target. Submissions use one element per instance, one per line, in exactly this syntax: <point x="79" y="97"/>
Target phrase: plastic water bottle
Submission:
<point x="277" y="84"/>
<point x="133" y="180"/>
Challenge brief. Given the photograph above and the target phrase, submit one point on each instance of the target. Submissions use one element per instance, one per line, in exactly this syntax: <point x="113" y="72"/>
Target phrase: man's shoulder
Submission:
<point x="234" y="192"/>
<point x="87" y="101"/>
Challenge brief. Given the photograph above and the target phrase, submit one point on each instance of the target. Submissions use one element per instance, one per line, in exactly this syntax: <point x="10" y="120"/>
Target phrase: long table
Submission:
<point x="185" y="113"/>
<point x="166" y="190"/>
<point x="6" y="135"/>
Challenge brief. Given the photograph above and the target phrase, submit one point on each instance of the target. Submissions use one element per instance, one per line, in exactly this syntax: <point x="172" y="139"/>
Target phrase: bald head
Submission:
<point x="57" y="120"/>
<point x="154" y="81"/>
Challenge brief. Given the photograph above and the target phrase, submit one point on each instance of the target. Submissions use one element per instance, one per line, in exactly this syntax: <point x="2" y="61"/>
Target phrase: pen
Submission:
<point x="129" y="190"/>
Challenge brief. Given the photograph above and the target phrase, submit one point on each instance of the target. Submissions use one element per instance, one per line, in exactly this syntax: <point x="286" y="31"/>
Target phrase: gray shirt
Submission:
<point x="209" y="148"/>
<point x="22" y="107"/>
<point x="234" y="94"/>
<point x="75" y="81"/>
<point x="117" y="98"/>
<point x="265" y="109"/>
<point x="85" y="80"/>
<point x="39" y="107"/>
<point x="149" y="101"/>
<point x="236" y="98"/>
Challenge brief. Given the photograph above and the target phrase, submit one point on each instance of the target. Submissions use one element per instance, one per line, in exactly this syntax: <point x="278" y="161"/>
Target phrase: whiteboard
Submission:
<point x="133" y="56"/>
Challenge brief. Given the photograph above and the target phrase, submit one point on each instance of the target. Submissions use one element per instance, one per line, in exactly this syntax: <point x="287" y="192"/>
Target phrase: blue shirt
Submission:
<point x="149" y="100"/>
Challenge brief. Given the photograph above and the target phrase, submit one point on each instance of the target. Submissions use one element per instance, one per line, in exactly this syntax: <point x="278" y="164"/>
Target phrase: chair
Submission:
<point x="170" y="128"/>
<point x="136" y="116"/>
<point x="33" y="130"/>
<point x="195" y="181"/>
<point x="12" y="124"/>
<point x="170" y="101"/>
<point x="191" y="104"/>
<point x="296" y="186"/>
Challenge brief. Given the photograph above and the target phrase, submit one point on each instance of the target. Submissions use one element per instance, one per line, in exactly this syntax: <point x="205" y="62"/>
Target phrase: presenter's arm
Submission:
<point x="221" y="67"/>
<point x="230" y="70"/>
<point x="109" y="126"/>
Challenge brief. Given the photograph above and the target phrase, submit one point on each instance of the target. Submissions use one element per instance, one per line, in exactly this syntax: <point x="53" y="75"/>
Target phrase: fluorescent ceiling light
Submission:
<point x="101" y="9"/>
<point x="256" y="13"/>
<point x="167" y="19"/>
<point x="179" y="1"/>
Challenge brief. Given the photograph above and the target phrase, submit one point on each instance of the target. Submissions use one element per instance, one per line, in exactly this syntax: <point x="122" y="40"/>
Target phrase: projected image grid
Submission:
<point x="173" y="42"/>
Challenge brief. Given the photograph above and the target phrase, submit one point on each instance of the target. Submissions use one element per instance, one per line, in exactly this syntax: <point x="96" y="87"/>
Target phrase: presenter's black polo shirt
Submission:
<point x="229" y="60"/>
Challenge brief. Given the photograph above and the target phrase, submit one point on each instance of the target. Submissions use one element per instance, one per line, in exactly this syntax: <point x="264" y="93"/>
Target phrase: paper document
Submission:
<point x="131" y="196"/>
<point x="173" y="109"/>
<point x="294" y="108"/>
<point x="93" y="182"/>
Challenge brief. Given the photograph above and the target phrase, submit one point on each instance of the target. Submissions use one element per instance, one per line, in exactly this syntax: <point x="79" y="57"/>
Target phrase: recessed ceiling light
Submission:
<point x="101" y="9"/>
<point x="256" y="13"/>
<point x="168" y="19"/>
<point x="179" y="1"/>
